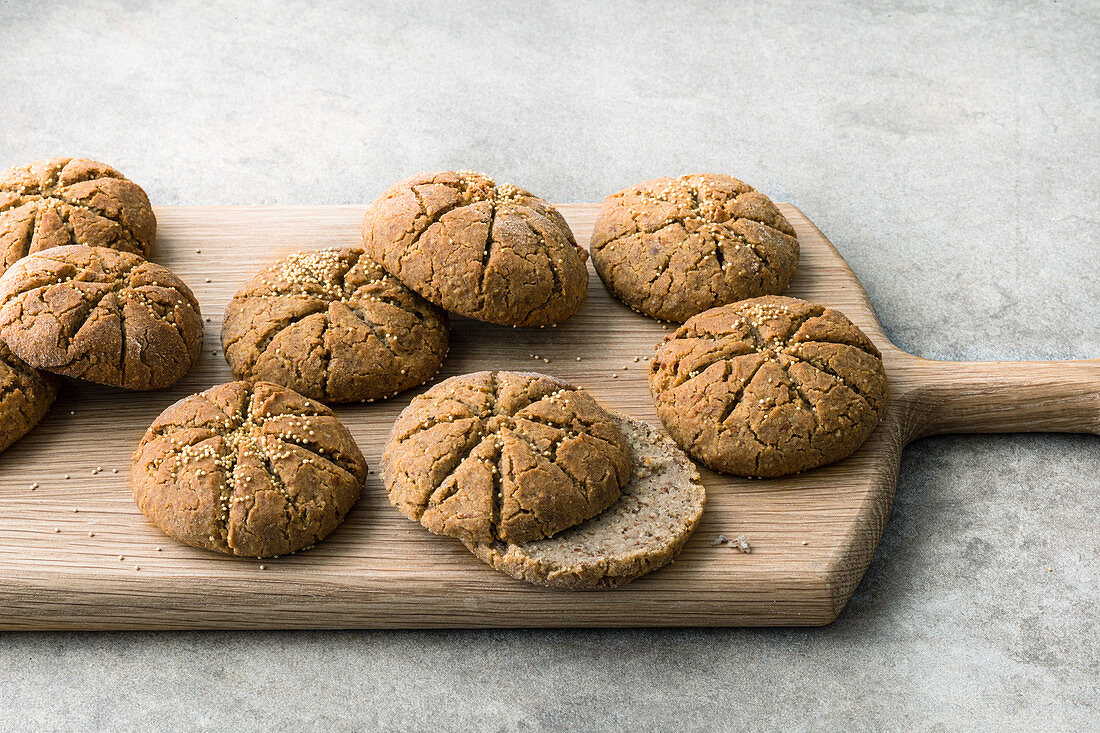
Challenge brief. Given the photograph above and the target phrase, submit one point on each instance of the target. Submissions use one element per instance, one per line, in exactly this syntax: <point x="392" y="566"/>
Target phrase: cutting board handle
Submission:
<point x="1004" y="397"/>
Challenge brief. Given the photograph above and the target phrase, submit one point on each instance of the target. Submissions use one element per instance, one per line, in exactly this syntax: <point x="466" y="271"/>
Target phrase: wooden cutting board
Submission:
<point x="76" y="553"/>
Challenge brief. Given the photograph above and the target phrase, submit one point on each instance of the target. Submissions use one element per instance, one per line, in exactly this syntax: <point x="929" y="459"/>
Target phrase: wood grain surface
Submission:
<point x="76" y="553"/>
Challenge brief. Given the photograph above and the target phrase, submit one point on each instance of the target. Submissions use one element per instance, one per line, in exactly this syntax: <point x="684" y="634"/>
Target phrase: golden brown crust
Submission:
<point x="674" y="247"/>
<point x="768" y="386"/>
<point x="60" y="201"/>
<point x="247" y="470"/>
<point x="495" y="253"/>
<point x="101" y="315"/>
<point x="334" y="326"/>
<point x="643" y="530"/>
<point x="501" y="455"/>
<point x="25" y="396"/>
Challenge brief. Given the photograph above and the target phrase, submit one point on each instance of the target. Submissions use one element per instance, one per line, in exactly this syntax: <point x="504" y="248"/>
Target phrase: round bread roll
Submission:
<point x="495" y="253"/>
<point x="334" y="326"/>
<point x="252" y="470"/>
<point x="674" y="247"/>
<point x="59" y="201"/>
<point x="25" y="396"/>
<point x="100" y="315"/>
<point x="768" y="386"/>
<point x="502" y="455"/>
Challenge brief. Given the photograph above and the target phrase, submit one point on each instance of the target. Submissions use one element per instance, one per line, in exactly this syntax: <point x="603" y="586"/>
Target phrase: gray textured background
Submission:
<point x="949" y="149"/>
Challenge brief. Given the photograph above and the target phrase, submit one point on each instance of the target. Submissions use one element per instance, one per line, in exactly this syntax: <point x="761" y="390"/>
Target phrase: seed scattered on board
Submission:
<point x="739" y="543"/>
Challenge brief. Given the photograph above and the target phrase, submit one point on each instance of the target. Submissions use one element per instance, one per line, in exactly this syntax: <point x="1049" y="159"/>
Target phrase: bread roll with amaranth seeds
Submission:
<point x="100" y="315"/>
<point x="504" y="455"/>
<point x="334" y="326"/>
<point x="492" y="252"/>
<point x="252" y="470"/>
<point x="768" y="386"/>
<point x="674" y="247"/>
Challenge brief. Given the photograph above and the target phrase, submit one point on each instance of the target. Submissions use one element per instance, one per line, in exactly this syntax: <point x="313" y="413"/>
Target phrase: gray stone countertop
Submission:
<point x="948" y="149"/>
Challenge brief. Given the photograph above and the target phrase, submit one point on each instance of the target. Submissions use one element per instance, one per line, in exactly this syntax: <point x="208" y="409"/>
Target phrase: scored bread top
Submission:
<point x="496" y="253"/>
<point x="768" y="386"/>
<point x="504" y="455"/>
<point x="101" y="315"/>
<point x="243" y="469"/>
<point x="674" y="247"/>
<point x="334" y="326"/>
<point x="60" y="201"/>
